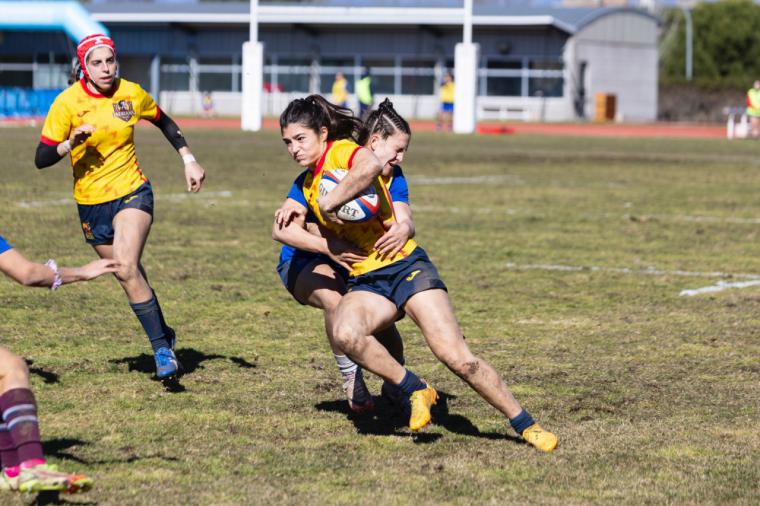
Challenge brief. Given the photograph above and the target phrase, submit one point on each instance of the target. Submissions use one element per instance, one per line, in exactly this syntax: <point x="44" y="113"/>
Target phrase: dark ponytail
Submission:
<point x="315" y="112"/>
<point x="76" y="71"/>
<point x="384" y="121"/>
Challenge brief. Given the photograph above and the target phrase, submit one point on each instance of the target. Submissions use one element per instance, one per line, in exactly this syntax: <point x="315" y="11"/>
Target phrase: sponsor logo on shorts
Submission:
<point x="88" y="231"/>
<point x="130" y="199"/>
<point x="413" y="275"/>
<point x="123" y="110"/>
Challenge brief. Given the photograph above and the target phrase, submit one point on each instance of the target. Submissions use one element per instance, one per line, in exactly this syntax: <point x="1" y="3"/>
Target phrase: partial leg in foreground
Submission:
<point x="24" y="468"/>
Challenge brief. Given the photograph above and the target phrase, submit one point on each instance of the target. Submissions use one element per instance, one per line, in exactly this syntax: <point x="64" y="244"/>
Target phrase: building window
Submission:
<point x="175" y="74"/>
<point x="546" y="78"/>
<point x="503" y="78"/>
<point x="215" y="74"/>
<point x="293" y="74"/>
<point x="383" y="74"/>
<point x="418" y="77"/>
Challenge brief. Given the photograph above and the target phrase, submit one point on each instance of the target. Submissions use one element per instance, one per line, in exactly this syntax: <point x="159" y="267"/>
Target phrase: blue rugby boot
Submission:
<point x="166" y="363"/>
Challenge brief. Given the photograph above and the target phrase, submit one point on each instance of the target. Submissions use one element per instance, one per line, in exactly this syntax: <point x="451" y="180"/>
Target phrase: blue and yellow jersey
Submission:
<point x="4" y="246"/>
<point x="105" y="166"/>
<point x="397" y="188"/>
<point x="339" y="155"/>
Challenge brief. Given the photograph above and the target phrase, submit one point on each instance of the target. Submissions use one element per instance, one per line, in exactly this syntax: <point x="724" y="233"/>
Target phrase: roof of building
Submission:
<point x="337" y="12"/>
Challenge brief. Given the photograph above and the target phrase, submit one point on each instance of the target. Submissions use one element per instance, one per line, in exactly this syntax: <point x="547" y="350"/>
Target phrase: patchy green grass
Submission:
<point x="564" y="257"/>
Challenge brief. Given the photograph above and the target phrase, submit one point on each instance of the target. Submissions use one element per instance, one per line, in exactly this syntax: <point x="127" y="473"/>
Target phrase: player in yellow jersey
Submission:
<point x="383" y="287"/>
<point x="316" y="274"/>
<point x="93" y="122"/>
<point x="23" y="463"/>
<point x="446" y="96"/>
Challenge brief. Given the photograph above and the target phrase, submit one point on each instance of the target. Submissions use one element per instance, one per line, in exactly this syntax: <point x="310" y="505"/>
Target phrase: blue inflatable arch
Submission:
<point x="70" y="17"/>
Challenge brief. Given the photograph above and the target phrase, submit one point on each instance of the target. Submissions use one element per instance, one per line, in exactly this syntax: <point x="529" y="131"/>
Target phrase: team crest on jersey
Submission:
<point x="88" y="231"/>
<point x="123" y="110"/>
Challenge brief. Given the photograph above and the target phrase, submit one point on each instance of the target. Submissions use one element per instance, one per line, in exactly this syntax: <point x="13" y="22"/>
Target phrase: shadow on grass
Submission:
<point x="45" y="498"/>
<point x="459" y="424"/>
<point x="47" y="376"/>
<point x="389" y="420"/>
<point x="190" y="359"/>
<point x="57" y="448"/>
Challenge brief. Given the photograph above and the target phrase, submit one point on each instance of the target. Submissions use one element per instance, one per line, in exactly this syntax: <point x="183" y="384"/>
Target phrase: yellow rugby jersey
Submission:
<point x="105" y="166"/>
<point x="339" y="155"/>
<point x="447" y="93"/>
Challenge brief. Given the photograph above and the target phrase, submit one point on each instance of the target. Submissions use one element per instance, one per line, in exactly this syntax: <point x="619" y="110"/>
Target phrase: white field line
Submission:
<point x="465" y="180"/>
<point x="649" y="271"/>
<point x="681" y="217"/>
<point x="718" y="287"/>
<point x="171" y="197"/>
<point x="753" y="279"/>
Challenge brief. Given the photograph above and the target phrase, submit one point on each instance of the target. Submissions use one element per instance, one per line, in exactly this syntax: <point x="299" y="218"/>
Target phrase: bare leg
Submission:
<point x="432" y="312"/>
<point x="358" y="316"/>
<point x="14" y="372"/>
<point x="131" y="228"/>
<point x="391" y="340"/>
<point x="318" y="286"/>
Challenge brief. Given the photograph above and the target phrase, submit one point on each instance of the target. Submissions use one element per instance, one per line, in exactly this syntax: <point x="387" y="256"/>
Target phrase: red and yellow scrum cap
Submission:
<point x="88" y="44"/>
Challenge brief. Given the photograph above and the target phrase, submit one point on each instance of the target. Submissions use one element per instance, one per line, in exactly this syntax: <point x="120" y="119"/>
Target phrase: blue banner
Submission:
<point x="25" y="102"/>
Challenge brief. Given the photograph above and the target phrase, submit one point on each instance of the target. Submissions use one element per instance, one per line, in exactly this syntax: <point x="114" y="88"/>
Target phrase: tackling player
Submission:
<point x="23" y="464"/>
<point x="315" y="271"/>
<point x="93" y="122"/>
<point x="382" y="287"/>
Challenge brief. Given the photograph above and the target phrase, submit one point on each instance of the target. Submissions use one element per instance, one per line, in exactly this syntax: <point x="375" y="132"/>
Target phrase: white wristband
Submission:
<point x="66" y="146"/>
<point x="57" y="281"/>
<point x="188" y="159"/>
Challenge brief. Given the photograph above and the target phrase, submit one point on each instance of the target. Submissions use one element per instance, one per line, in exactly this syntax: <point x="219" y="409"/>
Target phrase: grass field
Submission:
<point x="564" y="257"/>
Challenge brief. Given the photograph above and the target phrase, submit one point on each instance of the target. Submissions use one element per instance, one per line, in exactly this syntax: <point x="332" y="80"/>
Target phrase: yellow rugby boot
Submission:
<point x="421" y="401"/>
<point x="540" y="438"/>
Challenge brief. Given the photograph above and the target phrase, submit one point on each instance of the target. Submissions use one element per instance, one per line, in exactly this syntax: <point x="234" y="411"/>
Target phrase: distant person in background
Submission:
<point x="753" y="109"/>
<point x="207" y="105"/>
<point x="92" y="123"/>
<point x="365" y="93"/>
<point x="24" y="468"/>
<point x="340" y="90"/>
<point x="446" y="96"/>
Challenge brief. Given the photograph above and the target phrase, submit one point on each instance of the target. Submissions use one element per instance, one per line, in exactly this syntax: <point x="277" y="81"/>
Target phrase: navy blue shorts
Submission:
<point x="447" y="107"/>
<point x="400" y="280"/>
<point x="97" y="220"/>
<point x="290" y="270"/>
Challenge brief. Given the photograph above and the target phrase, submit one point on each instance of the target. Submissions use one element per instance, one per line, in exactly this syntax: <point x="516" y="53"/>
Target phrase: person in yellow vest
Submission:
<point x="753" y="109"/>
<point x="446" y="95"/>
<point x="340" y="90"/>
<point x="365" y="94"/>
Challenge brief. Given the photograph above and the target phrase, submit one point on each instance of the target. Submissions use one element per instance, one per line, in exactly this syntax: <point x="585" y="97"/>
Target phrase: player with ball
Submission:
<point x="315" y="272"/>
<point x="381" y="287"/>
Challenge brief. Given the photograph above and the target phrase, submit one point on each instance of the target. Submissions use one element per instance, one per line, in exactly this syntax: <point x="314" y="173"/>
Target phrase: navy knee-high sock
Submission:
<point x="151" y="319"/>
<point x="168" y="331"/>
